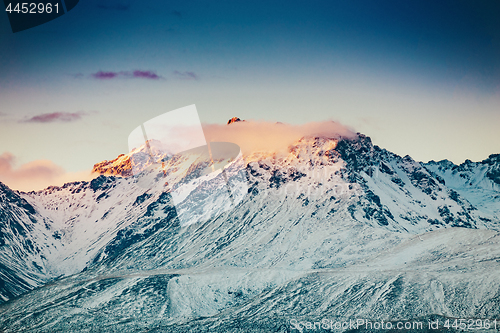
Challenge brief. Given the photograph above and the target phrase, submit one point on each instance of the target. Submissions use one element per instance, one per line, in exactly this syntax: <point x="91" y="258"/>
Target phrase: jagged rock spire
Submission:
<point x="234" y="120"/>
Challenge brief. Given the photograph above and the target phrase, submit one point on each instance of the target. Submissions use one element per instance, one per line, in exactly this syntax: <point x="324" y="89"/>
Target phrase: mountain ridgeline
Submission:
<point x="335" y="228"/>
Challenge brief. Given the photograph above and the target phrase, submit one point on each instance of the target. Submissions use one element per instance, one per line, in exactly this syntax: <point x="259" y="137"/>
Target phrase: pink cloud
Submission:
<point x="36" y="175"/>
<point x="145" y="75"/>
<point x="254" y="136"/>
<point x="251" y="136"/>
<point x="55" y="117"/>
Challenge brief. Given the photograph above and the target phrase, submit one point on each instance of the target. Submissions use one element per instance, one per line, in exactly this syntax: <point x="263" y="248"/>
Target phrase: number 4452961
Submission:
<point x="33" y="8"/>
<point x="471" y="324"/>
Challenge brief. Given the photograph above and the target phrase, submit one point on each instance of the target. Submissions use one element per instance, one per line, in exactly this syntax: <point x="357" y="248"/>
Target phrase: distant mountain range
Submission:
<point x="335" y="229"/>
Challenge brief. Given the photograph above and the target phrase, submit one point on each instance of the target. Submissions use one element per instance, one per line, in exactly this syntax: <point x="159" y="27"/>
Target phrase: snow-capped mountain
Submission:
<point x="335" y="228"/>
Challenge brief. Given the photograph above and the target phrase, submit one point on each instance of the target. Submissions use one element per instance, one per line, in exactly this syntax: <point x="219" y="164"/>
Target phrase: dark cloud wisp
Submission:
<point x="55" y="117"/>
<point x="136" y="74"/>
<point x="186" y="75"/>
<point x="145" y="75"/>
<point x="105" y="75"/>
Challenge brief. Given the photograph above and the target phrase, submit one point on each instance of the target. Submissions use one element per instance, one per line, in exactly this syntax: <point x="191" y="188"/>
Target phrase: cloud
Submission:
<point x="250" y="136"/>
<point x="145" y="75"/>
<point x="186" y="75"/>
<point x="105" y="75"/>
<point x="55" y="117"/>
<point x="36" y="175"/>
<point x="254" y="136"/>
<point x="136" y="74"/>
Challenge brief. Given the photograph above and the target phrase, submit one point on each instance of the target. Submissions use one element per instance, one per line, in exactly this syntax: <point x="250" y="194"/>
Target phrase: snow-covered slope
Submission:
<point x="333" y="228"/>
<point x="60" y="230"/>
<point x="478" y="182"/>
<point x="25" y="245"/>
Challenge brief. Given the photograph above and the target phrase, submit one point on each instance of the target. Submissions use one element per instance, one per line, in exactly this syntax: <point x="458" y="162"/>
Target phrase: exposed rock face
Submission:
<point x="120" y="166"/>
<point x="234" y="120"/>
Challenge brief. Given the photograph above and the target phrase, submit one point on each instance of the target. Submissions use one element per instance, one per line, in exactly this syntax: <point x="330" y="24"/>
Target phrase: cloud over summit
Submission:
<point x="254" y="136"/>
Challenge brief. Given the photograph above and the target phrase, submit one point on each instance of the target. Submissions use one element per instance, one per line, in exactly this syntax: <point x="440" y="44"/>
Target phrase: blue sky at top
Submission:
<point x="421" y="78"/>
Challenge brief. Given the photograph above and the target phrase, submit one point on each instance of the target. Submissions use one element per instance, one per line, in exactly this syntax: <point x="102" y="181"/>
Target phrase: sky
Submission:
<point x="421" y="78"/>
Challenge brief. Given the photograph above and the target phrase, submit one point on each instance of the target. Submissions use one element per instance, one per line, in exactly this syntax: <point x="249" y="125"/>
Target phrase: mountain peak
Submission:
<point x="139" y="158"/>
